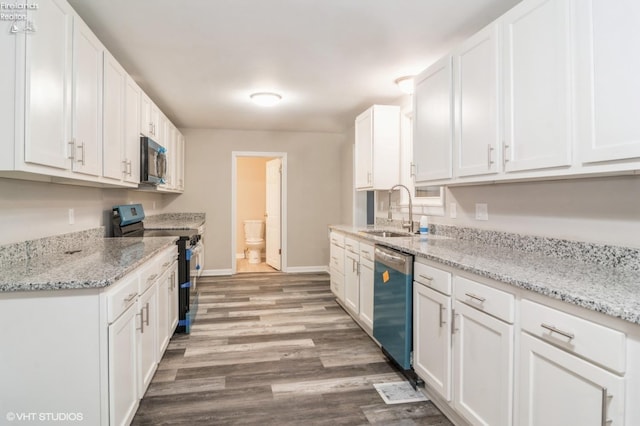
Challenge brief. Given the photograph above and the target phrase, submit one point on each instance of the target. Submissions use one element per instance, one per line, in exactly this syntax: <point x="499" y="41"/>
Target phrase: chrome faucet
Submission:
<point x="408" y="225"/>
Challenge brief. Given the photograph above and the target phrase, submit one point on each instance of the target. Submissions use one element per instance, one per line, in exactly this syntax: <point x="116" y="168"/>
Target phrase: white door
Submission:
<point x="113" y="119"/>
<point x="537" y="85"/>
<point x="483" y="366"/>
<point x="351" y="282"/>
<point x="557" y="388"/>
<point x="272" y="216"/>
<point x="87" y="102"/>
<point x="477" y="135"/>
<point x="49" y="81"/>
<point x="432" y="135"/>
<point x="608" y="87"/>
<point x="432" y="338"/>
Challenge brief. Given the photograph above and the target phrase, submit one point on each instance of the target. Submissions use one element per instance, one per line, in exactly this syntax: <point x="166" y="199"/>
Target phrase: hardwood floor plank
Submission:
<point x="274" y="349"/>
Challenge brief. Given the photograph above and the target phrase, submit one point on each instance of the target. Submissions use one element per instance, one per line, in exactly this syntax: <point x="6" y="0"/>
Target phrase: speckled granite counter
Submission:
<point x="175" y="221"/>
<point x="97" y="265"/>
<point x="614" y="291"/>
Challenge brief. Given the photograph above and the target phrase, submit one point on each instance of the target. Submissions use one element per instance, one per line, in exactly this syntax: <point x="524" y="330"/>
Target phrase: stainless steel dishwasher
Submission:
<point x="393" y="304"/>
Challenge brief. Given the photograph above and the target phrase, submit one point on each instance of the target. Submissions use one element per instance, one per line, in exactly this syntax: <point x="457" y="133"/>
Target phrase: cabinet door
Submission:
<point x="432" y="131"/>
<point x="49" y="80"/>
<point x="608" y="87"/>
<point x="146" y="125"/>
<point x="163" y="313"/>
<point x="87" y="101"/>
<point x="147" y="338"/>
<point x="173" y="299"/>
<point x="351" y="282"/>
<point x="366" y="293"/>
<point x="483" y="366"/>
<point x="114" y="165"/>
<point x="364" y="150"/>
<point x="477" y="112"/>
<point x="557" y="388"/>
<point x="432" y="338"/>
<point x="179" y="167"/>
<point x="537" y="85"/>
<point x="132" y="101"/>
<point x="123" y="391"/>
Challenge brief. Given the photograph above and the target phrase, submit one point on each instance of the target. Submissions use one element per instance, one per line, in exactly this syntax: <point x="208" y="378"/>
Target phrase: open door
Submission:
<point x="272" y="215"/>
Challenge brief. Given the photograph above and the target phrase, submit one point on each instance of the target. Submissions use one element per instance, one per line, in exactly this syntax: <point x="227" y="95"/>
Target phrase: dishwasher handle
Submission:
<point x="394" y="259"/>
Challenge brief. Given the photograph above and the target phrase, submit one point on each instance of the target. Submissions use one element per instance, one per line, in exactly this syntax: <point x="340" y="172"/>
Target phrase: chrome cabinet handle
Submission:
<point x="605" y="399"/>
<point x="489" y="156"/>
<point x="426" y="277"/>
<point x="129" y="167"/>
<point x="81" y="147"/>
<point x="441" y="321"/>
<point x="152" y="277"/>
<point x="505" y="159"/>
<point x="412" y="169"/>
<point x="130" y="297"/>
<point x="554" y="329"/>
<point x="164" y="265"/>
<point x="476" y="297"/>
<point x="141" y="321"/>
<point x="71" y="149"/>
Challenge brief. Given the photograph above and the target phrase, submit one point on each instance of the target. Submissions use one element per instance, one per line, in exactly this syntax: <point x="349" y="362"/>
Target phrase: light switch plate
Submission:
<point x="482" y="211"/>
<point x="453" y="210"/>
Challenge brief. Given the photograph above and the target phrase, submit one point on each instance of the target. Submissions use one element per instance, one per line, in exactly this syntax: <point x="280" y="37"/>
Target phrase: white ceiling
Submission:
<point x="330" y="59"/>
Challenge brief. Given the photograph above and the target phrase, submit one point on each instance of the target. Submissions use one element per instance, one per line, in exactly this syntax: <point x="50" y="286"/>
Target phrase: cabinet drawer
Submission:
<point x="595" y="342"/>
<point x="352" y="245"/>
<point x="484" y="298"/>
<point x="123" y="295"/>
<point x="166" y="259"/>
<point x="434" y="278"/>
<point x="366" y="252"/>
<point x="149" y="273"/>
<point x="337" y="259"/>
<point x="336" y="238"/>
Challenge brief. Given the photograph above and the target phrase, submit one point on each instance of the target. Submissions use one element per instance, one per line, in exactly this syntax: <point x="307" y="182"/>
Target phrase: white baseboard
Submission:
<point x="215" y="272"/>
<point x="303" y="269"/>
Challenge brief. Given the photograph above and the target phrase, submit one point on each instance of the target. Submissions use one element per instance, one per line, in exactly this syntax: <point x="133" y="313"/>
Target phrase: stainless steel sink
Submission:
<point x="386" y="234"/>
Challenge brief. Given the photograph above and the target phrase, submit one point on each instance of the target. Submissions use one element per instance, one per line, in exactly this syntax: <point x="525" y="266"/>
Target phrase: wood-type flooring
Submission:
<point x="274" y="349"/>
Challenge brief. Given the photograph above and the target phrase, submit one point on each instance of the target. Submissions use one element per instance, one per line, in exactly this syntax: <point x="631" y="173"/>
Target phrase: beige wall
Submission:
<point x="30" y="210"/>
<point x="602" y="210"/>
<point x="251" y="197"/>
<point x="314" y="188"/>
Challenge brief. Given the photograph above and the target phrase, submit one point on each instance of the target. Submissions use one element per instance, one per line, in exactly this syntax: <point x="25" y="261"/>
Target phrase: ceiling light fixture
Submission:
<point x="405" y="84"/>
<point x="265" y="99"/>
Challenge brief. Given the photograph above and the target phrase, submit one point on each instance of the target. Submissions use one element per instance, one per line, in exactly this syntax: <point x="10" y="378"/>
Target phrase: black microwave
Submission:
<point x="153" y="162"/>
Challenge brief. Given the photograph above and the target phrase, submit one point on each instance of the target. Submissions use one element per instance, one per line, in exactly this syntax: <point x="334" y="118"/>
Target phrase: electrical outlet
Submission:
<point x="482" y="211"/>
<point x="453" y="210"/>
<point x="72" y="217"/>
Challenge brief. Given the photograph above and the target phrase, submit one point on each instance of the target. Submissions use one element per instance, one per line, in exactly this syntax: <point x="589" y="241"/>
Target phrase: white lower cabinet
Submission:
<point x="483" y="367"/>
<point x="352" y="281"/>
<point x="558" y="389"/>
<point x="432" y="338"/>
<point x="366" y="291"/>
<point x="89" y="351"/>
<point x="123" y="367"/>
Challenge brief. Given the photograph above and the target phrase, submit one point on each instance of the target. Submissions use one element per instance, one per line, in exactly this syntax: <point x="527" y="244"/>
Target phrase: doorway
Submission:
<point x="258" y="217"/>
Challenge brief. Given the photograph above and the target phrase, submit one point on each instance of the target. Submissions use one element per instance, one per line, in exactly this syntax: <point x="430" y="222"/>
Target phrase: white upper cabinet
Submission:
<point x="537" y="85"/>
<point x="477" y="104"/>
<point x="132" y="96"/>
<point x="87" y="101"/>
<point x="377" y="151"/>
<point x="48" y="85"/>
<point x="150" y="119"/>
<point x="113" y="113"/>
<point x="608" y="84"/>
<point x="432" y="134"/>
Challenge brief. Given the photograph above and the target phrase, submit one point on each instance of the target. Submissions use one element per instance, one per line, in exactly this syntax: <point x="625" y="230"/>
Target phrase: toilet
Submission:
<point x="253" y="238"/>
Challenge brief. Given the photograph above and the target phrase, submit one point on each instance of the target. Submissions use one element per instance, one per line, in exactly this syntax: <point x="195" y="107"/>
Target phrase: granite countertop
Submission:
<point x="174" y="221"/>
<point x="609" y="290"/>
<point x="93" y="266"/>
